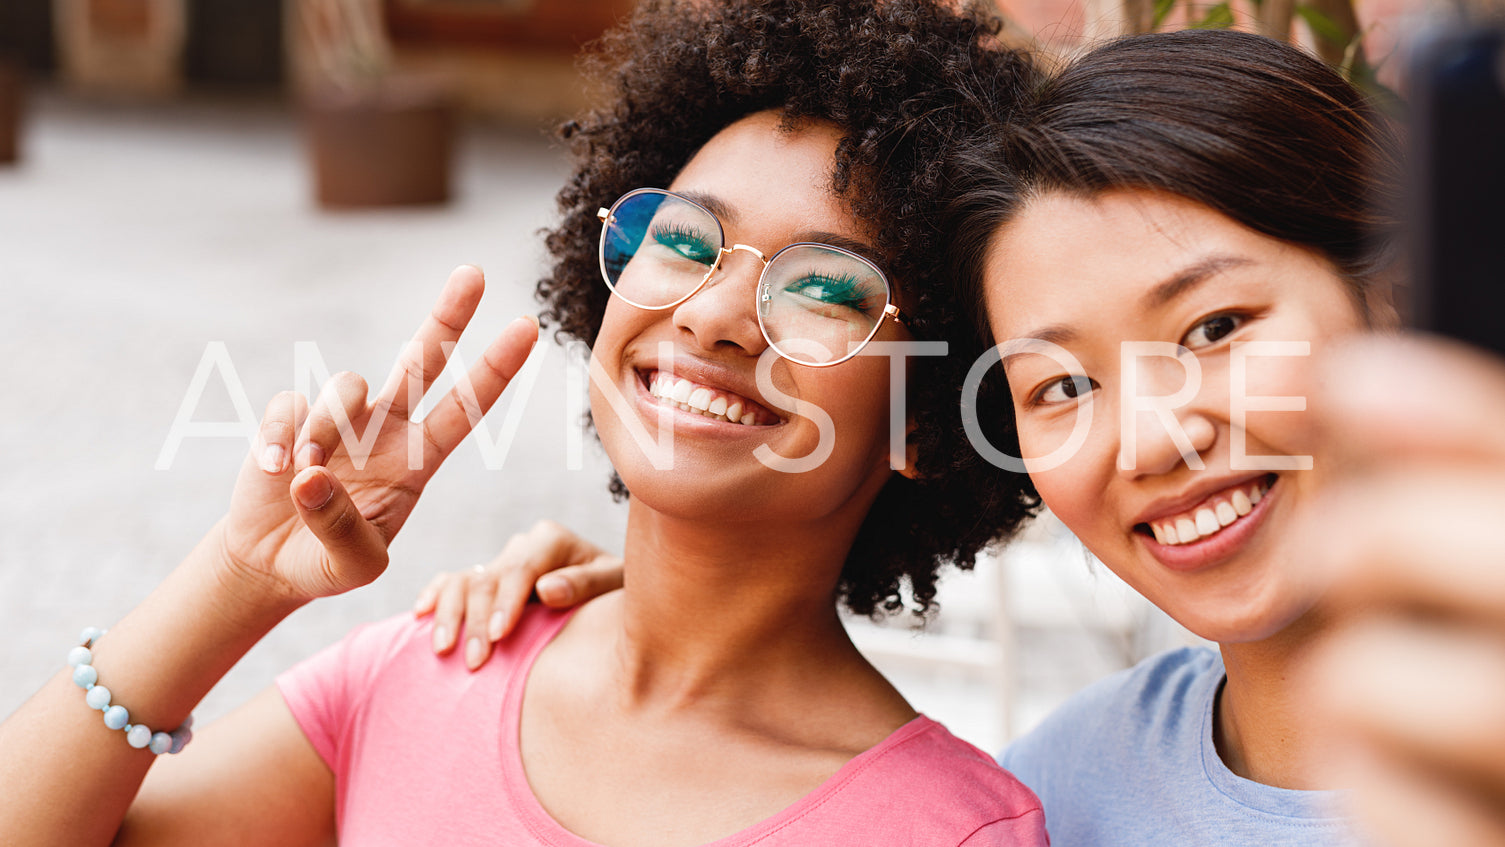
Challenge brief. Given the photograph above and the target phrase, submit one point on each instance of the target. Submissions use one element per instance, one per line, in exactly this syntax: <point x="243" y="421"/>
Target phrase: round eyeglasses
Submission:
<point x="817" y="304"/>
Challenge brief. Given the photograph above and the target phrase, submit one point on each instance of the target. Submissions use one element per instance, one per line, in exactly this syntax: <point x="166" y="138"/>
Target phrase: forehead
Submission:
<point x="767" y="179"/>
<point x="1067" y="254"/>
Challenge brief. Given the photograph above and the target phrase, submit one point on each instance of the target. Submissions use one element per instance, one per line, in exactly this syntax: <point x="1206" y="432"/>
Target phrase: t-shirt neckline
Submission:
<point x="550" y="832"/>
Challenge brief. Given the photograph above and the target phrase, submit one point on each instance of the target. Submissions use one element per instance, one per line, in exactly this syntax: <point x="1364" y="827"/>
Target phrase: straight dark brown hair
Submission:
<point x="1251" y="127"/>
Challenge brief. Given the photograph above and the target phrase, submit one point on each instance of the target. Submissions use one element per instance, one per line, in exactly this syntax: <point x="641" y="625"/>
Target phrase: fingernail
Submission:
<point x="315" y="492"/>
<point x="554" y="589"/>
<point x="274" y="458"/>
<point x="441" y="639"/>
<point x="313" y="454"/>
<point x="494" y="627"/>
<point x="423" y="601"/>
<point x="474" y="652"/>
<point x="478" y="267"/>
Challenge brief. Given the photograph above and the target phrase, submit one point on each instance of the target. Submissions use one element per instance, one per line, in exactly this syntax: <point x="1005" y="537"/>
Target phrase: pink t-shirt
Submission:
<point x="426" y="752"/>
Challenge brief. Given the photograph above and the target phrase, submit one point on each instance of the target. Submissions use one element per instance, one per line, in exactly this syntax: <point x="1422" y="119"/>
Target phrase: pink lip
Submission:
<point x="1209" y="551"/>
<point x="1165" y="507"/>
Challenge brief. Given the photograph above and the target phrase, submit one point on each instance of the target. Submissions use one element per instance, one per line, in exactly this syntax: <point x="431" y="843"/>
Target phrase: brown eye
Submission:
<point x="1063" y="389"/>
<point x="1212" y="330"/>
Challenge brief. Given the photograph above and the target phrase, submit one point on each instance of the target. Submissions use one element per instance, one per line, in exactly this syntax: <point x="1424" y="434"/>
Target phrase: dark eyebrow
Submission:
<point x="724" y="213"/>
<point x="1189" y="278"/>
<point x="861" y="248"/>
<point x="1185" y="280"/>
<point x="1058" y="334"/>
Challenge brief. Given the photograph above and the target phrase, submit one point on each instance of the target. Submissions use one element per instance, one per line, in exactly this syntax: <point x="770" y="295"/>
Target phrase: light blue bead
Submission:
<point x="187" y="723"/>
<point x="90" y="633"/>
<point x="84" y="676"/>
<point x="180" y="739"/>
<point x="138" y="736"/>
<point x="98" y="697"/>
<point x="116" y="717"/>
<point x="80" y="656"/>
<point x="161" y="743"/>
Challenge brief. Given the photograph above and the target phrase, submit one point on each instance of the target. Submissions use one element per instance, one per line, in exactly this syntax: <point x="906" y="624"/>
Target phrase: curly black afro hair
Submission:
<point x="902" y="80"/>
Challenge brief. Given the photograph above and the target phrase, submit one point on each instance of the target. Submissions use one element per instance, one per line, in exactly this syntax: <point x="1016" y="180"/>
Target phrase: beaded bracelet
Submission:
<point x="81" y="659"/>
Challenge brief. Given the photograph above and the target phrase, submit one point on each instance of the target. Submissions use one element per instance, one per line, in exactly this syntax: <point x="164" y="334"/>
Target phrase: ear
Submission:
<point x="911" y="452"/>
<point x="1382" y="302"/>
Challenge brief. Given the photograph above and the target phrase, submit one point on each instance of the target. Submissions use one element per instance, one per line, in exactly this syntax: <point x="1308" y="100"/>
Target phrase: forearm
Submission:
<point x="65" y="778"/>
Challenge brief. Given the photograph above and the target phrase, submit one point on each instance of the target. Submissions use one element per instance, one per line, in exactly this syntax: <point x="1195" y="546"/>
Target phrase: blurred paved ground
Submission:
<point x="134" y="237"/>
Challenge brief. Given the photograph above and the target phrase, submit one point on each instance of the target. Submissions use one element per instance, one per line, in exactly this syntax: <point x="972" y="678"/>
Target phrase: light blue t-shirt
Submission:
<point x="1130" y="761"/>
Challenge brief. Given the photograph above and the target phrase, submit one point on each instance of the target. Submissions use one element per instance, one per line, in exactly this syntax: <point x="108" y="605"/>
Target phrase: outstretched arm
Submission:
<point x="1413" y="676"/>
<point x="307" y="519"/>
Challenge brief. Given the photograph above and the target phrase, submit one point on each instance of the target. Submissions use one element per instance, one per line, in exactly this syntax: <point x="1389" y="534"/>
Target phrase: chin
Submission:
<point x="1236" y="621"/>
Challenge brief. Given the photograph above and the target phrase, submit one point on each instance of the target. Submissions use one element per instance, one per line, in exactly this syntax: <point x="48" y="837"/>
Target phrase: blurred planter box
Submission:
<point x="12" y="105"/>
<point x="391" y="144"/>
<point x="121" y="47"/>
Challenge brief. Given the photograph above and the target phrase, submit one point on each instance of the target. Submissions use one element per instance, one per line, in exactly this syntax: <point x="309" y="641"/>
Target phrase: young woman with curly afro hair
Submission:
<point x="747" y="245"/>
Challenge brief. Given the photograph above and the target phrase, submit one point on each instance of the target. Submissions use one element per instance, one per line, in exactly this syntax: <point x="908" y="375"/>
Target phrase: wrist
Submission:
<point x="247" y="595"/>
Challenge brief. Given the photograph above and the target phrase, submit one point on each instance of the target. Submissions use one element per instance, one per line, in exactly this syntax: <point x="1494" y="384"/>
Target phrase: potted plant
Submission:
<point x="376" y="136"/>
<point x="122" y="47"/>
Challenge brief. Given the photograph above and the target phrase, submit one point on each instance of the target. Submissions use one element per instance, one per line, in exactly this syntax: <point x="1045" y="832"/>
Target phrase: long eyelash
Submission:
<point x="846" y="287"/>
<point x="677" y="231"/>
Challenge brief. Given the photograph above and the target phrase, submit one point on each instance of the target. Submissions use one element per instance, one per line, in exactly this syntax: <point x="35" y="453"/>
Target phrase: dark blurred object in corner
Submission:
<point x="12" y="107"/>
<point x="1457" y="183"/>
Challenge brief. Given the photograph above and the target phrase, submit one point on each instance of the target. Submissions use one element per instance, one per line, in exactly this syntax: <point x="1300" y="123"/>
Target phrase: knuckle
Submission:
<point x="344" y="522"/>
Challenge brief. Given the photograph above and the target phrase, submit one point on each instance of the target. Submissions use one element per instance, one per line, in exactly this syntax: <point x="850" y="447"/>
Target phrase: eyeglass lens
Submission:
<point x="816" y="303"/>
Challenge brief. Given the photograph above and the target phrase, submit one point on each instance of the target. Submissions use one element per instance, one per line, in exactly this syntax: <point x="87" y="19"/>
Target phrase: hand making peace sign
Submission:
<point x="313" y="517"/>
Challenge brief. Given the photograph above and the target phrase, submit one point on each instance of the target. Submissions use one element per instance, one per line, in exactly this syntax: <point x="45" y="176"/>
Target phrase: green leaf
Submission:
<point x="1162" y="11"/>
<point x="1322" y="26"/>
<point x="1218" y="17"/>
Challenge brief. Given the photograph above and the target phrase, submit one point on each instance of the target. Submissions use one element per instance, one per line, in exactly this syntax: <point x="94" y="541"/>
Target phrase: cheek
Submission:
<point x="1274" y="401"/>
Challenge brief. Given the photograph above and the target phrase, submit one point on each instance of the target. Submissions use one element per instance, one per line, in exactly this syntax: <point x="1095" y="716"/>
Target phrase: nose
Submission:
<point x="722" y="313"/>
<point x="1170" y="424"/>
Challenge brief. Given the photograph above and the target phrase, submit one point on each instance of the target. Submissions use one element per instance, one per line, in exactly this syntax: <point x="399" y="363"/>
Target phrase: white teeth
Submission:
<point x="1241" y="503"/>
<point x="689" y="397"/>
<point x="1186" y="531"/>
<point x="1209" y="519"/>
<point x="1226" y="514"/>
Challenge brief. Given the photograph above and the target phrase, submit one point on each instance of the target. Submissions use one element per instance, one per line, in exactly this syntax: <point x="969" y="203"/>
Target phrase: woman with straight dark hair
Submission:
<point x="1178" y="224"/>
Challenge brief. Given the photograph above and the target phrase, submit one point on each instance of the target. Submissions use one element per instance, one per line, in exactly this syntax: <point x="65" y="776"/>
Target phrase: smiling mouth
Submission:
<point x="708" y="401"/>
<point x="1209" y="517"/>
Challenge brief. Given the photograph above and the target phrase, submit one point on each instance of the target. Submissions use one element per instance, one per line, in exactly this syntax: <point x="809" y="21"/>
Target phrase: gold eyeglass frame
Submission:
<point x="762" y="296"/>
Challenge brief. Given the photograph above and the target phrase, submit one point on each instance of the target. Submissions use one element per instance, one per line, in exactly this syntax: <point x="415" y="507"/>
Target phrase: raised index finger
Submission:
<point x="423" y="357"/>
<point x="458" y="412"/>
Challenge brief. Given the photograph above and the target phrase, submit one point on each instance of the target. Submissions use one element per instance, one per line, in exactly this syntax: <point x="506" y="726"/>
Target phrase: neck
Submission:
<point x="729" y="610"/>
<point x="1261" y="724"/>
